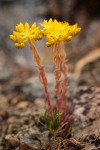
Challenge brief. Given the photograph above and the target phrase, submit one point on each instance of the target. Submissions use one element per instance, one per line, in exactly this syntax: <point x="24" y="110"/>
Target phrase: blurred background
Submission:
<point x="83" y="51"/>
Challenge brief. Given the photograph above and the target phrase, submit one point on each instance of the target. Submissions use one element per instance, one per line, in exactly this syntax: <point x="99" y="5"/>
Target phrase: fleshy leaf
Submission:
<point x="56" y="121"/>
<point x="47" y="119"/>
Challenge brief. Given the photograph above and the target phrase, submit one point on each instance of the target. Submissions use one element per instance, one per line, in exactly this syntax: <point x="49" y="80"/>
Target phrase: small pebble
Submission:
<point x="12" y="140"/>
<point x="23" y="104"/>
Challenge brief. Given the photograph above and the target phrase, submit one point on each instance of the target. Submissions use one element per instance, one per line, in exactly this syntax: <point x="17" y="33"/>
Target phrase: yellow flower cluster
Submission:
<point x="24" y="33"/>
<point x="56" y="31"/>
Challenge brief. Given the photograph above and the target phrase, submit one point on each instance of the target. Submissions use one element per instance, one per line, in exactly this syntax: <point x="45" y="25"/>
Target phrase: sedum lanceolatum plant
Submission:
<point x="58" y="117"/>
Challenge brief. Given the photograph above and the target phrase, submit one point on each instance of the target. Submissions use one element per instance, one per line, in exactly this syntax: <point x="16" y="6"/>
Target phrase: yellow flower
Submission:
<point x="56" y="31"/>
<point x="24" y="33"/>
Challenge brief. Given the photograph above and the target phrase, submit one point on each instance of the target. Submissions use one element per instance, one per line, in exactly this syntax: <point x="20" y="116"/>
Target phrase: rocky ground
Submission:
<point x="22" y="106"/>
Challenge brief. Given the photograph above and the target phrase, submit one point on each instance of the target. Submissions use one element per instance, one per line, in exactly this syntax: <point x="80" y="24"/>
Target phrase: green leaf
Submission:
<point x="47" y="119"/>
<point x="56" y="121"/>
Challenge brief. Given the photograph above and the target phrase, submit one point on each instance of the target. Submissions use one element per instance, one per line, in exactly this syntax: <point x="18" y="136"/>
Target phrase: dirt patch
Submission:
<point x="21" y="119"/>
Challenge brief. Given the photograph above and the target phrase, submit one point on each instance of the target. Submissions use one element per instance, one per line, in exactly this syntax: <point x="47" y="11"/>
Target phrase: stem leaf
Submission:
<point x="47" y="119"/>
<point x="56" y="121"/>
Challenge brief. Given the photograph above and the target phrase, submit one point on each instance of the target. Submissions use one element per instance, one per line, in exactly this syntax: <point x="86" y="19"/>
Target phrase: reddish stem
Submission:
<point x="61" y="85"/>
<point x="42" y="77"/>
<point x="64" y="83"/>
<point x="57" y="75"/>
